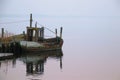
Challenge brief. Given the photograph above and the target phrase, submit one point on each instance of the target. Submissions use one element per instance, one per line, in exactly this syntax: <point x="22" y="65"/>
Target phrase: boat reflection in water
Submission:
<point x="35" y="61"/>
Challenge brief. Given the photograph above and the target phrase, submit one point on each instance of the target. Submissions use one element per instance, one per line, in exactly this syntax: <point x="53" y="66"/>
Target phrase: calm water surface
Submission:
<point x="91" y="51"/>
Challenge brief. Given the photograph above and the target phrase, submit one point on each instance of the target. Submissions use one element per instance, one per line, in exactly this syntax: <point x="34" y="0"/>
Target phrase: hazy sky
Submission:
<point x="61" y="7"/>
<point x="58" y="8"/>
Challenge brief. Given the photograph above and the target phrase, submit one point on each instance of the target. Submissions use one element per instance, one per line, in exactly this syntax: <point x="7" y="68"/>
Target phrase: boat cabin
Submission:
<point x="35" y="34"/>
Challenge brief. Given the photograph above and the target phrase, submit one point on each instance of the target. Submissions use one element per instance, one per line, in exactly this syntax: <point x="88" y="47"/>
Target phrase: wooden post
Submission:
<point x="36" y="32"/>
<point x="56" y="32"/>
<point x="31" y="34"/>
<point x="40" y="32"/>
<point x="61" y="32"/>
<point x="31" y="20"/>
<point x="2" y="32"/>
<point x="27" y="34"/>
<point x="24" y="35"/>
<point x="43" y="32"/>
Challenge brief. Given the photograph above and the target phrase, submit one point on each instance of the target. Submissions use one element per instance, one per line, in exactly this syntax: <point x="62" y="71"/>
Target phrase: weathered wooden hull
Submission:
<point x="47" y="45"/>
<point x="40" y="49"/>
<point x="31" y="46"/>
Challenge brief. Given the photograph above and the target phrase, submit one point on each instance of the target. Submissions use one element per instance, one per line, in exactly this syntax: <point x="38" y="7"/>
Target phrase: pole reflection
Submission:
<point x="35" y="61"/>
<point x="35" y="68"/>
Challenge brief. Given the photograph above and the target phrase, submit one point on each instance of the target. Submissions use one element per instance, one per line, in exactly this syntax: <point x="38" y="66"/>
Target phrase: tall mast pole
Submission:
<point x="31" y="20"/>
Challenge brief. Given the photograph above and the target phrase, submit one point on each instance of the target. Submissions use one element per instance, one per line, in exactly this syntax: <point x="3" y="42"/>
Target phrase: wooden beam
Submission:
<point x="2" y="33"/>
<point x="31" y="20"/>
<point x="61" y="32"/>
<point x="56" y="32"/>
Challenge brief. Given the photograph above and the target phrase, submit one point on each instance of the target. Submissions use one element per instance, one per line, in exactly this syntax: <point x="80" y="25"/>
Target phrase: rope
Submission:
<point x="40" y="24"/>
<point x="15" y="22"/>
<point x="47" y="28"/>
<point x="27" y="21"/>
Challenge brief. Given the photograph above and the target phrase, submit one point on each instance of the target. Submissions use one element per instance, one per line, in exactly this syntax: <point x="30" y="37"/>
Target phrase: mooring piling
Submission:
<point x="56" y="32"/>
<point x="2" y="33"/>
<point x="31" y="20"/>
<point x="61" y="32"/>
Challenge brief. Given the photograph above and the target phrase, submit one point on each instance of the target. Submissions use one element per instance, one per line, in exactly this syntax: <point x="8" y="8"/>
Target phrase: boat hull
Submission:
<point x="47" y="45"/>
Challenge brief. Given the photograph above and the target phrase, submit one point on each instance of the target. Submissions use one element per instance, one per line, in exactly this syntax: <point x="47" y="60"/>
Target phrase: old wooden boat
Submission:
<point x="33" y="40"/>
